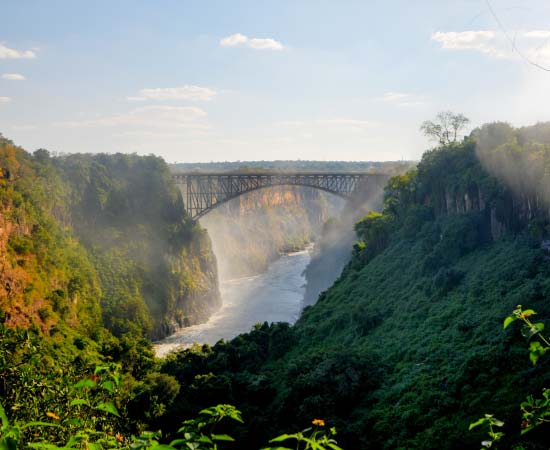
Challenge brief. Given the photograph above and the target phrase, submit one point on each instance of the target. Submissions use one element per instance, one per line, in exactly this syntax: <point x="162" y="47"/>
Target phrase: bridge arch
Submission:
<point x="203" y="192"/>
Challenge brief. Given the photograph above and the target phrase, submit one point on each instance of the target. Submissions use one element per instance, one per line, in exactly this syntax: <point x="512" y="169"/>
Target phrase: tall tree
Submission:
<point x="445" y="128"/>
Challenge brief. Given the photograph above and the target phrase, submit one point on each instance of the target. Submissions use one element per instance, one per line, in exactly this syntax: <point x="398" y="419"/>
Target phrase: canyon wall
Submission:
<point x="93" y="241"/>
<point x="254" y="229"/>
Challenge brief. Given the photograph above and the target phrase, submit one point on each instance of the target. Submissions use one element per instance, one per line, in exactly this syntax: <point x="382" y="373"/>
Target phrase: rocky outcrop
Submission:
<point x="254" y="229"/>
<point x="508" y="212"/>
<point x="194" y="294"/>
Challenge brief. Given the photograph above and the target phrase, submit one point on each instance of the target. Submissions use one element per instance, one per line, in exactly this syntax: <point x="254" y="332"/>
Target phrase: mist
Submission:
<point x="518" y="157"/>
<point x="253" y="230"/>
<point x="333" y="249"/>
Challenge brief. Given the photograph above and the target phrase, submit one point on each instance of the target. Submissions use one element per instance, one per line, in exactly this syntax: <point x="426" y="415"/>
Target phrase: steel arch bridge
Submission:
<point x="202" y="192"/>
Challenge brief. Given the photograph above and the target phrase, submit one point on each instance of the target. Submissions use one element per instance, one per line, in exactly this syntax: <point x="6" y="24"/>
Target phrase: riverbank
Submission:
<point x="273" y="296"/>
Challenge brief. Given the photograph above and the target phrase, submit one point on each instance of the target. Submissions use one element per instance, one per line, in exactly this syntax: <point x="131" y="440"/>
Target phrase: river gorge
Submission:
<point x="275" y="295"/>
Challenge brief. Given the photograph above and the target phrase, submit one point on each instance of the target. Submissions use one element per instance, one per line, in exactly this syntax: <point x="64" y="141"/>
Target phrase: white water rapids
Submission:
<point x="273" y="296"/>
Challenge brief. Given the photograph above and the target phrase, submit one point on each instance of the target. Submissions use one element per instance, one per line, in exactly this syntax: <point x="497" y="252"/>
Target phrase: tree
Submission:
<point x="445" y="128"/>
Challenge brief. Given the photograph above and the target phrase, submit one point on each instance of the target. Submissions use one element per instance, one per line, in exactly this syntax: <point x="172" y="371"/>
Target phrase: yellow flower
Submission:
<point x="319" y="422"/>
<point x="52" y="415"/>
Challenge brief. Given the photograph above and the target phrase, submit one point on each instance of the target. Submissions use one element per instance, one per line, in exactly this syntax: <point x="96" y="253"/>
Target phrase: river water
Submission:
<point x="273" y="296"/>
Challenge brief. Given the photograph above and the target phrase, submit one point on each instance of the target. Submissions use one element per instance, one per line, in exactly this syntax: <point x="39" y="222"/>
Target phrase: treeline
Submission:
<point x="405" y="350"/>
<point x="295" y="166"/>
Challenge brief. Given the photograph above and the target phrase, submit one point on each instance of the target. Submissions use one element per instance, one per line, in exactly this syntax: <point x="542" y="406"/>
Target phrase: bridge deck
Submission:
<point x="205" y="191"/>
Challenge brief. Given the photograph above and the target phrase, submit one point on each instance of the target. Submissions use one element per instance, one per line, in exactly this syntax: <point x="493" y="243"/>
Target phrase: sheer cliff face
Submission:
<point x="99" y="240"/>
<point x="253" y="229"/>
<point x="193" y="295"/>
<point x="501" y="171"/>
<point x="129" y="213"/>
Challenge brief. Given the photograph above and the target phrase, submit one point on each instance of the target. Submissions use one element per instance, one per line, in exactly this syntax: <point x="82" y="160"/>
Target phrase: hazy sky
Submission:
<point x="244" y="80"/>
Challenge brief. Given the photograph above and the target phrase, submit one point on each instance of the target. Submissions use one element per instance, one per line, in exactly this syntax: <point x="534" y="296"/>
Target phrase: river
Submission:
<point x="273" y="296"/>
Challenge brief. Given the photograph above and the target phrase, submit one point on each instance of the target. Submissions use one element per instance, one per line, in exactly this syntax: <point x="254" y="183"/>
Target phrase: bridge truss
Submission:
<point x="204" y="192"/>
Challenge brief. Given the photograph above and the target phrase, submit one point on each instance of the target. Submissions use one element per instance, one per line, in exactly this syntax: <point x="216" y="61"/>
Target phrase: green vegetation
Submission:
<point x="297" y="166"/>
<point x="88" y="236"/>
<point x="405" y="351"/>
<point x="535" y="411"/>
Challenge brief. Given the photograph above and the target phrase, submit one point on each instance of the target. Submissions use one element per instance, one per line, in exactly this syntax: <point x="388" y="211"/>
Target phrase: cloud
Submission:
<point x="10" y="53"/>
<point x="239" y="39"/>
<point x="532" y="45"/>
<point x="13" y="76"/>
<point x="483" y="41"/>
<point x="401" y="99"/>
<point x="544" y="34"/>
<point x="186" y="92"/>
<point x="234" y="40"/>
<point x="159" y="117"/>
<point x="5" y="100"/>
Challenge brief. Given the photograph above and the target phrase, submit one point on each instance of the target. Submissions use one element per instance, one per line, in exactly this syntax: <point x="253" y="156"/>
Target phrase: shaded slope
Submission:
<point x="406" y="349"/>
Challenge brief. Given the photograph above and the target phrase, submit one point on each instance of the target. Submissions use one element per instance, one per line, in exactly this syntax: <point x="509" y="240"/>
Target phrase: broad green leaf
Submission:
<point x="193" y="445"/>
<point x="107" y="407"/>
<point x="283" y="437"/>
<point x="75" y="422"/>
<point x="477" y="423"/>
<point x="87" y="383"/>
<point x="109" y="385"/>
<point x="78" y="402"/>
<point x="99" y="369"/>
<point x="509" y="320"/>
<point x="222" y="437"/>
<point x="4" y="417"/>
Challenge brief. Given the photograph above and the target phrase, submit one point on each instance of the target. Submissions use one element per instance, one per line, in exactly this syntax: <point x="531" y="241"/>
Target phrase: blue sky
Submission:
<point x="246" y="80"/>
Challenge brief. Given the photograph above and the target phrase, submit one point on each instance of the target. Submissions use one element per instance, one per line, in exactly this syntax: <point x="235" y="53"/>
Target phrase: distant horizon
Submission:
<point x="292" y="161"/>
<point x="232" y="161"/>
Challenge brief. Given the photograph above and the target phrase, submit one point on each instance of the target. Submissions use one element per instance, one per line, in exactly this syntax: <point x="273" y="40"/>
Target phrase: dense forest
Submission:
<point x="296" y="166"/>
<point x="407" y="348"/>
<point x="404" y="351"/>
<point x="96" y="235"/>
